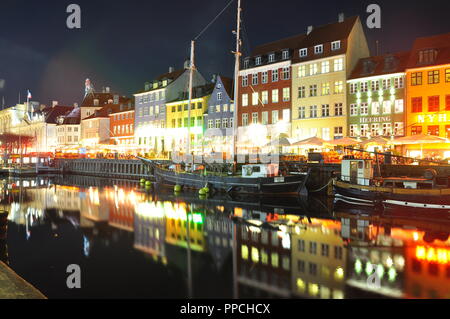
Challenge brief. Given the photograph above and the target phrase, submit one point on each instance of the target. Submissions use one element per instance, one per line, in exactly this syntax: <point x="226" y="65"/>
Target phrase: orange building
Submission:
<point x="122" y="125"/>
<point x="428" y="93"/>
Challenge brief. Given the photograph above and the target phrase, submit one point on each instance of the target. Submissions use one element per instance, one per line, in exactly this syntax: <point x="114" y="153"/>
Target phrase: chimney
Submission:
<point x="171" y="69"/>
<point x="214" y="78"/>
<point x="341" y="17"/>
<point x="309" y="30"/>
<point x="75" y="104"/>
<point x="187" y="64"/>
<point x="107" y="89"/>
<point x="147" y="86"/>
<point x="116" y="99"/>
<point x="54" y="103"/>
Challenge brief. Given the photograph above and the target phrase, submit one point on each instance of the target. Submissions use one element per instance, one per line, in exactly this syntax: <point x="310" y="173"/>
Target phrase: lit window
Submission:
<point x="326" y="67"/>
<point x="338" y="64"/>
<point x="275" y="96"/>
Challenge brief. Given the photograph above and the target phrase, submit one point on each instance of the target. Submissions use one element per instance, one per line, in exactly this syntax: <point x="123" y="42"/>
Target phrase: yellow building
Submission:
<point x="428" y="93"/>
<point x="178" y="120"/>
<point x="320" y="69"/>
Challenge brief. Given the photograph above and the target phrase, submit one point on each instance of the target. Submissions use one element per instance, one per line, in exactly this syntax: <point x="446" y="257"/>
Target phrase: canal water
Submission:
<point x="132" y="243"/>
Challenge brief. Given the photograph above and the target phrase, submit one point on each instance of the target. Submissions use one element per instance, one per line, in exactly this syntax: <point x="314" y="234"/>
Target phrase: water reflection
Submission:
<point x="148" y="245"/>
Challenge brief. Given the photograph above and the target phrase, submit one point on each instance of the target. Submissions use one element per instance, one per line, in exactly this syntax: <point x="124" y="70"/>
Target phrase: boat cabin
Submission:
<point x="357" y="171"/>
<point x="260" y="170"/>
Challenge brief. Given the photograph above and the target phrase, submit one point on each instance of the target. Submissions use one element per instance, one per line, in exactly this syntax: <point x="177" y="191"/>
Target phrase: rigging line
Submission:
<point x="213" y="20"/>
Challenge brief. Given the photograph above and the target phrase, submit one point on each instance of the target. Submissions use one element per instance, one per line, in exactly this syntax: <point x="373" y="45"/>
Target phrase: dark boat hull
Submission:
<point x="293" y="184"/>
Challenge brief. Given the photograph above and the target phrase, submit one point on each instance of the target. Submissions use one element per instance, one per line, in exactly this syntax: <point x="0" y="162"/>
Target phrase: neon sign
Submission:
<point x="433" y="118"/>
<point x="431" y="254"/>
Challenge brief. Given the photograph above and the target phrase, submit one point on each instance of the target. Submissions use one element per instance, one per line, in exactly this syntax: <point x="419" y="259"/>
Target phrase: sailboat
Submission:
<point x="252" y="179"/>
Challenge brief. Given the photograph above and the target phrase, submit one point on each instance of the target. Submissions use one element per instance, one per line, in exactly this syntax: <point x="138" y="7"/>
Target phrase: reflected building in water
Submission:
<point x="219" y="232"/>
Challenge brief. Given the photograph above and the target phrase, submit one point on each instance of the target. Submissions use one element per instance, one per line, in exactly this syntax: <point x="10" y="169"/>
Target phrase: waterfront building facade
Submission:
<point x="122" y="126"/>
<point x="151" y="116"/>
<point x="68" y="129"/>
<point x="265" y="82"/>
<point x="218" y="122"/>
<point x="321" y="66"/>
<point x="376" y="97"/>
<point x="178" y="119"/>
<point x="428" y="92"/>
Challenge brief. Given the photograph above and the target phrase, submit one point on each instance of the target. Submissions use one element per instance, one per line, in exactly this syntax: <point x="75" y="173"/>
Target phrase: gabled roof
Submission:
<point x="380" y="65"/>
<point x="197" y="92"/>
<point x="102" y="98"/>
<point x="104" y="112"/>
<point x="287" y="43"/>
<point x="440" y="43"/>
<point x="228" y="85"/>
<point x="52" y="113"/>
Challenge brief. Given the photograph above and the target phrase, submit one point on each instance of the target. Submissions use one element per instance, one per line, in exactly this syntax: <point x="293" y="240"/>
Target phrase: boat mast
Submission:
<point x="237" y="55"/>
<point x="191" y="75"/>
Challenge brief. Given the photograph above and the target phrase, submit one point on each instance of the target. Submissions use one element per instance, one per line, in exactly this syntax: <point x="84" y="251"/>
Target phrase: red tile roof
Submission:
<point x="440" y="43"/>
<point x="379" y="65"/>
<point x="103" y="99"/>
<point x="104" y="112"/>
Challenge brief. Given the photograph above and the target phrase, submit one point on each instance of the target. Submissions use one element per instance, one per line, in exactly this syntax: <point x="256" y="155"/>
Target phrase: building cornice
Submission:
<point x="264" y="68"/>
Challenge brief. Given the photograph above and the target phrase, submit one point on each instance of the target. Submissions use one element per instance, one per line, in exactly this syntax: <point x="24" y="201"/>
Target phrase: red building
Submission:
<point x="122" y="125"/>
<point x="265" y="97"/>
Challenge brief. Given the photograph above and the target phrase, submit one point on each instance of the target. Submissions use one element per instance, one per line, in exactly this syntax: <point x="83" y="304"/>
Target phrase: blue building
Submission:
<point x="150" y="107"/>
<point x="219" y="119"/>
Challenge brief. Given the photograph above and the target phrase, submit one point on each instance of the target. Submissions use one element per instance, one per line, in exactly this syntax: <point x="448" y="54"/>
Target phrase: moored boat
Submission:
<point x="358" y="186"/>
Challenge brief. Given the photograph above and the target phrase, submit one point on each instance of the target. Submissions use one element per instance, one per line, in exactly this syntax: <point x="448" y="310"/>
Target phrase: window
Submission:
<point x="416" y="103"/>
<point x="287" y="115"/>
<point x="219" y="96"/>
<point x="217" y="108"/>
<point x="398" y="106"/>
<point x="338" y="87"/>
<point x="245" y="80"/>
<point x="244" y="119"/>
<point x="433" y="130"/>
<point x="325" y="110"/>
<point x="353" y="128"/>
<point x="303" y="52"/>
<point x="286" y="94"/>
<point x="398" y="129"/>
<point x="427" y="56"/>
<point x="364" y="109"/>
<point x="364" y="86"/>
<point x="386" y="84"/>
<point x="433" y="103"/>
<point x="398" y="83"/>
<point x="265" y="97"/>
<point x="255" y="118"/>
<point x="300" y="266"/>
<point x="318" y="49"/>
<point x="274" y="259"/>
<point x="313" y="90"/>
<point x="313" y="111"/>
<point x="312" y="248"/>
<point x="433" y="77"/>
<point x="274" y="75"/>
<point x="338" y="64"/>
<point x="353" y="109"/>
<point x="255" y="79"/>
<point x="416" y="78"/>
<point x="301" y="92"/>
<point x="416" y="130"/>
<point x="447" y="102"/>
<point x="326" y="89"/>
<point x="375" y="108"/>
<point x="336" y="45"/>
<point x="353" y="88"/>
<point x="271" y="57"/>
<point x="302" y="112"/>
<point x="313" y="269"/>
<point x="218" y="123"/>
<point x="325" y="250"/>
<point x="302" y="71"/>
<point x="258" y="60"/>
<point x="286" y="73"/>
<point x="375" y="129"/>
<point x="364" y="130"/>
<point x="338" y="132"/>
<point x="447" y="75"/>
<point x="275" y="117"/>
<point x="337" y="252"/>
<point x="387" y="107"/>
<point x="265" y="118"/>
<point x="264" y="77"/>
<point x="225" y="107"/>
<point x="244" y="99"/>
<point x="255" y="97"/>
<point x="285" y="54"/>
<point x="387" y="127"/>
<point x="313" y="69"/>
<point x="326" y="133"/>
<point x="338" y="109"/>
<point x="275" y="96"/>
<point x="246" y="63"/>
<point x="375" y="85"/>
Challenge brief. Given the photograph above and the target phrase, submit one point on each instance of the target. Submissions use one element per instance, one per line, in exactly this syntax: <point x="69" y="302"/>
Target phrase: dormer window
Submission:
<point x="96" y="102"/>
<point x="303" y="52"/>
<point x="246" y="63"/>
<point x="285" y="54"/>
<point x="336" y="45"/>
<point x="258" y="60"/>
<point x="427" y="56"/>
<point x="271" y="57"/>
<point x="219" y="96"/>
<point x="318" y="49"/>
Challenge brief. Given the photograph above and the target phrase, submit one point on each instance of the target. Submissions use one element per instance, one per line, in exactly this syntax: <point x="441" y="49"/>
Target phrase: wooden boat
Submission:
<point x="358" y="186"/>
<point x="261" y="181"/>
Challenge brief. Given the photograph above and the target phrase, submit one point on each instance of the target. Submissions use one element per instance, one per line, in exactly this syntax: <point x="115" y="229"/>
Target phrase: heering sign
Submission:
<point x="378" y="119"/>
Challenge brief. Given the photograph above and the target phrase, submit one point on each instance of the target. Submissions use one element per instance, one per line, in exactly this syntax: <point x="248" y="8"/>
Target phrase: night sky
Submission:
<point x="122" y="44"/>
